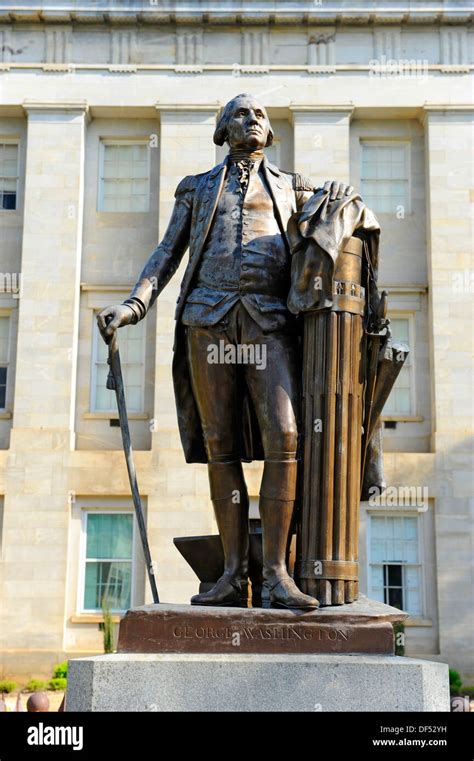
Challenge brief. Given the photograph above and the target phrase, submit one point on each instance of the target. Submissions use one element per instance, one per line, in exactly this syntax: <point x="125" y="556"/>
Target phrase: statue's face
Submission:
<point x="248" y="126"/>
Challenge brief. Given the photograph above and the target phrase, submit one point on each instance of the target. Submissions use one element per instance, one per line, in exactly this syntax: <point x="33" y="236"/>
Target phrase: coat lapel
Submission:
<point x="206" y="206"/>
<point x="208" y="194"/>
<point x="280" y="192"/>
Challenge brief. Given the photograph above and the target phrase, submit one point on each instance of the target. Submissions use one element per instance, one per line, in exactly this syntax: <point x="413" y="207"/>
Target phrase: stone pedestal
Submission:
<point x="265" y="682"/>
<point x="184" y="658"/>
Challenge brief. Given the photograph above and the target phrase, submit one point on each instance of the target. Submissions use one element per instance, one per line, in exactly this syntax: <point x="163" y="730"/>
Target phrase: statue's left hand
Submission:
<point x="337" y="189"/>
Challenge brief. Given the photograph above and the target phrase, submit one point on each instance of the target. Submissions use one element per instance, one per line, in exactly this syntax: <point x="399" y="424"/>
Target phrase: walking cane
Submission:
<point x="115" y="383"/>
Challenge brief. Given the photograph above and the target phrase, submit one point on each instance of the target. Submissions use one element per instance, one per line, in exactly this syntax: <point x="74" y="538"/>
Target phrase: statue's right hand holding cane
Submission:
<point x="112" y="318"/>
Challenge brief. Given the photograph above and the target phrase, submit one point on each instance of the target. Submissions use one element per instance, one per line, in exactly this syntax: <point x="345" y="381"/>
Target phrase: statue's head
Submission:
<point x="244" y="123"/>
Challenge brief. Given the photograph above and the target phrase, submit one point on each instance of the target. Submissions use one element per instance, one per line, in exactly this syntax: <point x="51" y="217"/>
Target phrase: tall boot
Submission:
<point x="231" y="507"/>
<point x="277" y="501"/>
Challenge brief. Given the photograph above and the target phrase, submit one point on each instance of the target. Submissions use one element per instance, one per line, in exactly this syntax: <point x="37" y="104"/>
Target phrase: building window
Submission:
<point x="394" y="562"/>
<point x="108" y="560"/>
<point x="4" y="358"/>
<point x="8" y="176"/>
<point x="124" y="177"/>
<point x="401" y="399"/>
<point x="385" y="177"/>
<point x="132" y="358"/>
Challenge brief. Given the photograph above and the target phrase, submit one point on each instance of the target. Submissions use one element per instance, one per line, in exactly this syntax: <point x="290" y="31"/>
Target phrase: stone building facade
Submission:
<point x="102" y="112"/>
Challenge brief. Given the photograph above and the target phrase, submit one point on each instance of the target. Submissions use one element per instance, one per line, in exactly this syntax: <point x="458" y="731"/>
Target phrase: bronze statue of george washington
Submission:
<point x="234" y="296"/>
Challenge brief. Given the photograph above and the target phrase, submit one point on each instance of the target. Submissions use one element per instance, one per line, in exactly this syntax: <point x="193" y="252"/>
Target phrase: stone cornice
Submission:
<point x="429" y="109"/>
<point x="210" y="107"/>
<point x="448" y="107"/>
<point x="237" y="12"/>
<point x="51" y="107"/>
<point x="345" y="107"/>
<point x="296" y="68"/>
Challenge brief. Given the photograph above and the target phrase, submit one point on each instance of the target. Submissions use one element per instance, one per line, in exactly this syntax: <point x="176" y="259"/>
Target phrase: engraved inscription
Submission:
<point x="280" y="632"/>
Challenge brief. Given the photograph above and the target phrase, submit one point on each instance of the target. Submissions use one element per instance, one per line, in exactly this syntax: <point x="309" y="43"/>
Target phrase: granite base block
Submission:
<point x="256" y="682"/>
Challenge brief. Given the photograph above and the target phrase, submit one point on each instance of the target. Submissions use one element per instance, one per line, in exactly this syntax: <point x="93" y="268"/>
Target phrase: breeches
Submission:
<point x="234" y="354"/>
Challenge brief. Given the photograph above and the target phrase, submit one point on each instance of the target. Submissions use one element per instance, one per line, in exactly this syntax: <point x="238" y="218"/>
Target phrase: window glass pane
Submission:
<point x="124" y="170"/>
<point x="138" y="187"/>
<point x="411" y="552"/>
<point x="4" y="335"/>
<point x="133" y="353"/>
<point x="8" y="175"/>
<point x="122" y="204"/>
<point x="108" y="582"/>
<point x="139" y="153"/>
<point x="109" y="536"/>
<point x="397" y="524"/>
<point x="134" y="396"/>
<point x="377" y="593"/>
<point x="8" y="201"/>
<point x="125" y="178"/>
<point x="399" y="328"/>
<point x="394" y="597"/>
<point x="377" y="576"/>
<point x="141" y="169"/>
<point x="370" y="171"/>
<point x="390" y="573"/>
<point x="413" y="601"/>
<point x="398" y="553"/>
<point x="412" y="578"/>
<point x="104" y="399"/>
<point x="125" y="152"/>
<point x="384" y="177"/>
<point x="400" y="399"/>
<point x="377" y="553"/>
<point x="378" y="527"/>
<point x="3" y="387"/>
<point x="111" y="152"/>
<point x="134" y="375"/>
<point x="8" y="159"/>
<point x="108" y="204"/>
<point x="10" y="151"/>
<point x="139" y="203"/>
<point x="9" y="186"/>
<point x="109" y="173"/>
<point x="410" y="527"/>
<point x="132" y="346"/>
<point x="394" y="575"/>
<point x="10" y="168"/>
<point x="398" y="188"/>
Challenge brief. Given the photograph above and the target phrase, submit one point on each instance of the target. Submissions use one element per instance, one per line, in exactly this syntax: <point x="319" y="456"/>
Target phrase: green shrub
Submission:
<point x="60" y="670"/>
<point x="57" y="684"/>
<point x="108" y="627"/>
<point x="7" y="685"/>
<point x="36" y="685"/>
<point x="455" y="682"/>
